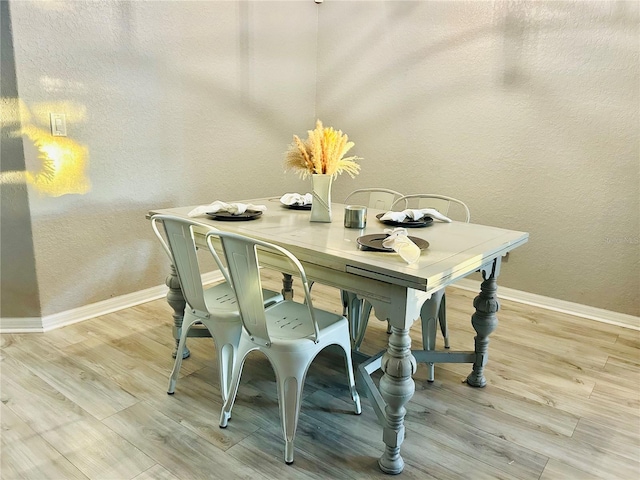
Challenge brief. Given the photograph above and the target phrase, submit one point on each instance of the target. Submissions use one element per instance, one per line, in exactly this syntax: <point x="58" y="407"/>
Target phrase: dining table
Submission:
<point x="337" y="256"/>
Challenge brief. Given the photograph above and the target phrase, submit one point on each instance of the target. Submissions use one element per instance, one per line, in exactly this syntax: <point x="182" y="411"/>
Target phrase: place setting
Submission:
<point x="224" y="211"/>
<point x="394" y="240"/>
<point x="297" y="201"/>
<point x="397" y="239"/>
<point x="412" y="217"/>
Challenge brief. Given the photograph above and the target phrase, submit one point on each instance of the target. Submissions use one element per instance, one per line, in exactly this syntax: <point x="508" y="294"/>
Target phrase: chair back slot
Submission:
<point x="244" y="271"/>
<point x="183" y="248"/>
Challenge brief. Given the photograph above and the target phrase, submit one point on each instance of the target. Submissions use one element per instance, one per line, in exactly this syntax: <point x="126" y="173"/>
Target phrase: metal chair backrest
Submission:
<point x="379" y="198"/>
<point x="180" y="246"/>
<point x="441" y="203"/>
<point x="243" y="263"/>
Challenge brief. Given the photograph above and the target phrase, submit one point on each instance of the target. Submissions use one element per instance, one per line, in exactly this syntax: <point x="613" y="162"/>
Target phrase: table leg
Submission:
<point x="287" y="286"/>
<point x="484" y="321"/>
<point x="397" y="388"/>
<point x="178" y="303"/>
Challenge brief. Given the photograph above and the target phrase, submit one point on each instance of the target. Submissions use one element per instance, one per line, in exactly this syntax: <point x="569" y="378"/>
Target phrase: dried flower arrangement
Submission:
<point x="322" y="152"/>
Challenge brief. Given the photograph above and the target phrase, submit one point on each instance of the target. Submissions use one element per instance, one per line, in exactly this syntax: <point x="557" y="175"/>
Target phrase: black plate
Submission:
<point x="423" y="222"/>
<point x="297" y="206"/>
<point x="374" y="242"/>
<point x="230" y="217"/>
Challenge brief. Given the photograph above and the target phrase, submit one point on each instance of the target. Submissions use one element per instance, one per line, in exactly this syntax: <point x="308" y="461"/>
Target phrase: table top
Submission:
<point x="455" y="249"/>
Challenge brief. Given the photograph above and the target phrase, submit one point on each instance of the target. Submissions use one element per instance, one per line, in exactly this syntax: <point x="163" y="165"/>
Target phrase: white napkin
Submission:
<point x="414" y="214"/>
<point x="296" y="199"/>
<point x="402" y="244"/>
<point x="233" y="208"/>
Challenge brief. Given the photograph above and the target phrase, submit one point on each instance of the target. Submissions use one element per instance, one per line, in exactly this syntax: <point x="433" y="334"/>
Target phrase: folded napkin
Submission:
<point x="414" y="214"/>
<point x="233" y="208"/>
<point x="296" y="199"/>
<point x="402" y="244"/>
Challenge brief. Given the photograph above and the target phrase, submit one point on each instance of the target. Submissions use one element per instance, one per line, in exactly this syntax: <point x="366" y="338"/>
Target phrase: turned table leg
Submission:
<point x="397" y="388"/>
<point x="176" y="301"/>
<point x="484" y="321"/>
<point x="287" y="286"/>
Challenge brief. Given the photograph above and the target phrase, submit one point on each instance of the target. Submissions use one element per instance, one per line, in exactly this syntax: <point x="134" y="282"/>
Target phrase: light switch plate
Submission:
<point x="58" y="124"/>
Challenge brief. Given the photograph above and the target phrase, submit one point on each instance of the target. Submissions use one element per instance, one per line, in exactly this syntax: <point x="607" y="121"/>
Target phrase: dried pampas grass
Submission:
<point x="322" y="152"/>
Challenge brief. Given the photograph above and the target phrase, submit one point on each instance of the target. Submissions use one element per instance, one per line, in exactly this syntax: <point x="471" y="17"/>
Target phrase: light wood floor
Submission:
<point x="89" y="401"/>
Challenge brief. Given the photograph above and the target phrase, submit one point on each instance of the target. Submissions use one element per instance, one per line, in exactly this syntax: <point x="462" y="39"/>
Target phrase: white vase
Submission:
<point x="321" y="191"/>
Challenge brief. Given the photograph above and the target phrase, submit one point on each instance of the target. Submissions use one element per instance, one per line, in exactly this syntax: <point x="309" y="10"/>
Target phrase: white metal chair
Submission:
<point x="434" y="309"/>
<point x="449" y="206"/>
<point x="288" y="333"/>
<point x="215" y="307"/>
<point x="356" y="309"/>
<point x="378" y="198"/>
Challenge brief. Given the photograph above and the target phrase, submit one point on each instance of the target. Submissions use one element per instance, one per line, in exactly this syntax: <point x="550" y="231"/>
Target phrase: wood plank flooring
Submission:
<point x="89" y="401"/>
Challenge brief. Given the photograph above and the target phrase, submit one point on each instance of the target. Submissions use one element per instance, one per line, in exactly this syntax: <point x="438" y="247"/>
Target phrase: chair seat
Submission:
<point x="288" y="322"/>
<point x="222" y="299"/>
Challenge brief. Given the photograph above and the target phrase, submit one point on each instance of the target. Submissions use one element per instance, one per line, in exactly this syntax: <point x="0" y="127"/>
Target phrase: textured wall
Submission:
<point x="176" y="103"/>
<point x="19" y="297"/>
<point x="526" y="110"/>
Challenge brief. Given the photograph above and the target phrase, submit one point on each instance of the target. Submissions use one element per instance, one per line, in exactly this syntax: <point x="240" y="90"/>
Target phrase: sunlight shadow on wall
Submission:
<point x="55" y="165"/>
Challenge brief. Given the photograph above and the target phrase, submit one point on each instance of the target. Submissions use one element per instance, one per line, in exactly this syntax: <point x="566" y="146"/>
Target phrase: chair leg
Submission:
<point x="225" y="413"/>
<point x="442" y="318"/>
<point x="290" y="375"/>
<point x="429" y="316"/>
<point x="364" y="312"/>
<point x="187" y="323"/>
<point x="225" y="337"/>
<point x="352" y="309"/>
<point x="351" y="379"/>
<point x="358" y="312"/>
<point x="344" y="298"/>
<point x="226" y="355"/>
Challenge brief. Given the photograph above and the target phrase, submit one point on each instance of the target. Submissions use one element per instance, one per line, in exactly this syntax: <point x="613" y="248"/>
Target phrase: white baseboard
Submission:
<point x="21" y="325"/>
<point x="562" y="306"/>
<point x="75" y="315"/>
<point x="69" y="317"/>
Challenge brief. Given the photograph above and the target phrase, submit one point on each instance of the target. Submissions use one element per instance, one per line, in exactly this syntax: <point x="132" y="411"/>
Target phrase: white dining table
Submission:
<point x="330" y="255"/>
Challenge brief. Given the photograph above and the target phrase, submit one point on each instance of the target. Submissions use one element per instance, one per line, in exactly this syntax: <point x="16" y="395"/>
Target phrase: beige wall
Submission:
<point x="176" y="103"/>
<point x="19" y="297"/>
<point x="526" y="110"/>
